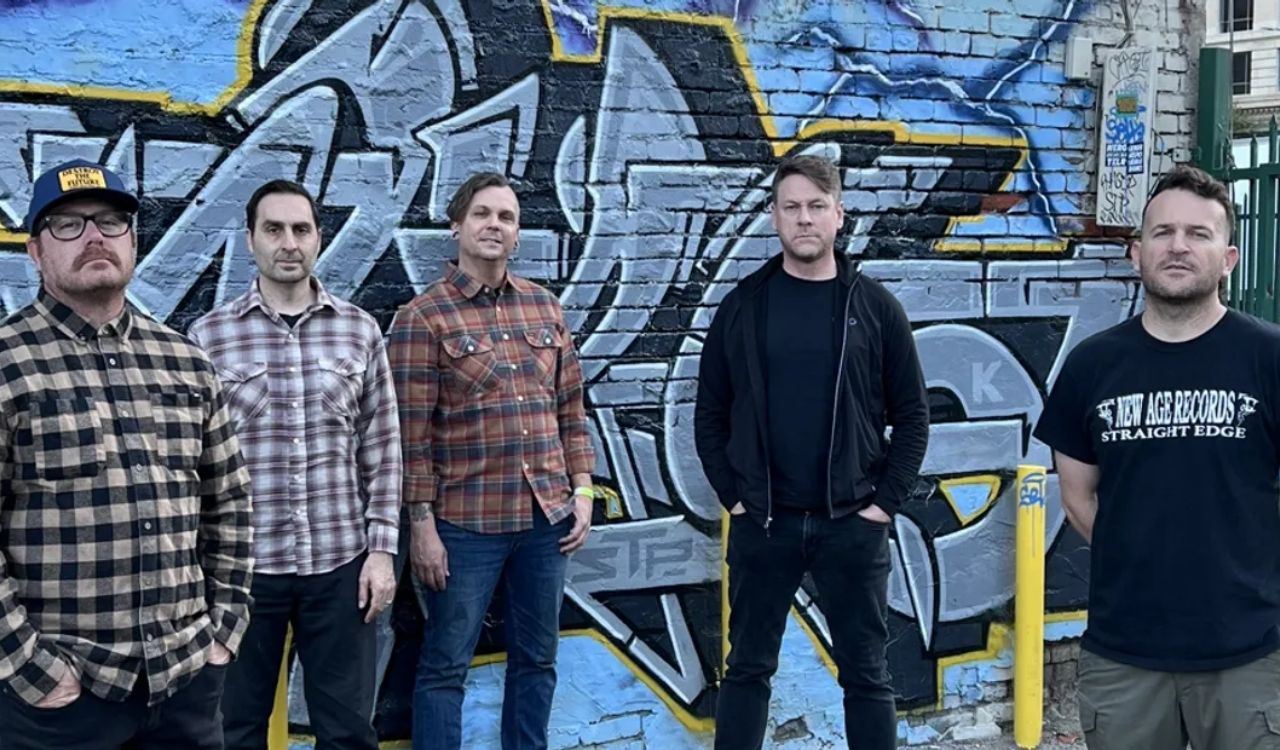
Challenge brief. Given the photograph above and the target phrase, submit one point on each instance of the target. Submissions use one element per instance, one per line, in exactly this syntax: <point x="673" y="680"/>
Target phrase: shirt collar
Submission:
<point x="470" y="287"/>
<point x="70" y="323"/>
<point x="253" y="299"/>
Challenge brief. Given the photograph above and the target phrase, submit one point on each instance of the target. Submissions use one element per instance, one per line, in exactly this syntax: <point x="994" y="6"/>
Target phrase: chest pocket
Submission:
<point x="544" y="345"/>
<point x="66" y="438"/>
<point x="471" y="362"/>
<point x="247" y="391"/>
<point x="341" y="383"/>
<point x="178" y="418"/>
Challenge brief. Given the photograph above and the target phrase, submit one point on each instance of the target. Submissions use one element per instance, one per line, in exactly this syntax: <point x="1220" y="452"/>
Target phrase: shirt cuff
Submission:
<point x="420" y="488"/>
<point x="383" y="538"/>
<point x="228" y="628"/>
<point x="39" y="676"/>
<point x="581" y="462"/>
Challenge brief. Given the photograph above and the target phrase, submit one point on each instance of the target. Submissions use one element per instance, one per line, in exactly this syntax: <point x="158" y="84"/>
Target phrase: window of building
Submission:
<point x="1237" y="13"/>
<point x="1241" y="70"/>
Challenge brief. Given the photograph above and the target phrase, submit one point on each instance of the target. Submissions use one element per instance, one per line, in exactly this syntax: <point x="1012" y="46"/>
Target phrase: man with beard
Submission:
<point x="1166" y="439"/>
<point x="310" y="391"/>
<point x="806" y="364"/>
<point x="124" y="503"/>
<point x="498" y="467"/>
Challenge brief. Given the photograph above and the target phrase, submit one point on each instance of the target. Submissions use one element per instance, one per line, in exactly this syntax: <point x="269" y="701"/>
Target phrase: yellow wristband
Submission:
<point x="587" y="492"/>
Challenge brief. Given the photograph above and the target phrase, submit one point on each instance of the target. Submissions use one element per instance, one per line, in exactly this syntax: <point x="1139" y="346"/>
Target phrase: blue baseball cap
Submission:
<point x="77" y="179"/>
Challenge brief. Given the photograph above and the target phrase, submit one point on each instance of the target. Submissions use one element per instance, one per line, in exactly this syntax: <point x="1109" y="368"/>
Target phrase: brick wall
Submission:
<point x="642" y="136"/>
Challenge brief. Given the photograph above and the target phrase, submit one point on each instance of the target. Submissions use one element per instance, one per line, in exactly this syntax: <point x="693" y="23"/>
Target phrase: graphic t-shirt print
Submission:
<point x="1159" y="415"/>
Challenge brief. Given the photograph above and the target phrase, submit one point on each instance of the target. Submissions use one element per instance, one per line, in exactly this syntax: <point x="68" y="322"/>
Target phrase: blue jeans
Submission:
<point x="531" y="570"/>
<point x="848" y="558"/>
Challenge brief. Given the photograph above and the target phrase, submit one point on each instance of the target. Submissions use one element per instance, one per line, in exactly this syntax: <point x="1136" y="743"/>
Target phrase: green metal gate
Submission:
<point x="1251" y="167"/>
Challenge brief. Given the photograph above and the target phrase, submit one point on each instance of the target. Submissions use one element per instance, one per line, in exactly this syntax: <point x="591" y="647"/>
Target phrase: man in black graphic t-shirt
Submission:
<point x="1166" y="438"/>
<point x="805" y="365"/>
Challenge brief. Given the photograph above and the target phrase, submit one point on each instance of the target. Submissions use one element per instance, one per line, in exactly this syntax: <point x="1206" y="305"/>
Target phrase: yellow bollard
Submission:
<point x="1028" y="653"/>
<point x="278" y="729"/>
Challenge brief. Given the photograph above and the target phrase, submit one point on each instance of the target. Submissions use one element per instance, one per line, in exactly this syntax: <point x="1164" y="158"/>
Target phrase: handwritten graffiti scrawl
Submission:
<point x="644" y="178"/>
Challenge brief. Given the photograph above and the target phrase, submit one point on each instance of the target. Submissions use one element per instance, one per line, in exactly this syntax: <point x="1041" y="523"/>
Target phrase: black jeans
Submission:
<point x="186" y="720"/>
<point x="337" y="650"/>
<point x="849" y="561"/>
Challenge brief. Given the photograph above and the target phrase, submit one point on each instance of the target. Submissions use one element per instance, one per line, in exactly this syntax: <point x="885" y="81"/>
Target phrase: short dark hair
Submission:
<point x="288" y="187"/>
<point x="1198" y="182"/>
<point x="462" y="197"/>
<point x="820" y="171"/>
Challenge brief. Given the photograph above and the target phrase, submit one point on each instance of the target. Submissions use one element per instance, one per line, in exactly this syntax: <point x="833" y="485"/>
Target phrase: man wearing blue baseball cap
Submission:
<point x="124" y="526"/>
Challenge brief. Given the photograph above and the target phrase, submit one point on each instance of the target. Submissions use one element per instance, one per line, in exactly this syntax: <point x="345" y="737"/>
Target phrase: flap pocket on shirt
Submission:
<point x="542" y="338"/>
<point x="471" y="361"/>
<point x="341" y="382"/>
<point x="467" y="345"/>
<point x="247" y="390"/>
<point x="66" y="438"/>
<point x="544" y="345"/>
<point x="178" y="418"/>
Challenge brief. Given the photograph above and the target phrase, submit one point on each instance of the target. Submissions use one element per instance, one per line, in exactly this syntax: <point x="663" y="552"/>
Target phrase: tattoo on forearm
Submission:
<point x="419" y="511"/>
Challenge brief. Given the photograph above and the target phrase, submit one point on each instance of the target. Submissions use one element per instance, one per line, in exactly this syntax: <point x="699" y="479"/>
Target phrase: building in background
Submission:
<point x="1251" y="30"/>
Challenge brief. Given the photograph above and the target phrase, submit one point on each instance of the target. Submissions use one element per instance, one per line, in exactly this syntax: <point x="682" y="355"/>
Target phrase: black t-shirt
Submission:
<point x="1186" y="544"/>
<point x="800" y="381"/>
<point x="291" y="320"/>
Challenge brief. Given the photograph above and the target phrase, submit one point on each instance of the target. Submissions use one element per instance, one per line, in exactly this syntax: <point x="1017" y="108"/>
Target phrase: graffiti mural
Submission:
<point x="642" y="138"/>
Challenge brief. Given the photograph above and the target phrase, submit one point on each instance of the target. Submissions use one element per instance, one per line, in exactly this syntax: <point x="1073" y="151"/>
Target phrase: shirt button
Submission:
<point x="111" y="361"/>
<point x="524" y="432"/>
<point x="498" y="309"/>
<point x="146" y="525"/>
<point x="519" y="398"/>
<point x="471" y="348"/>
<point x="546" y="342"/>
<point x="297" y="441"/>
<point x="293" y="405"/>
<point x="139" y="468"/>
<point x="290" y="335"/>
<point x="293" y="369"/>
<point x="150" y="637"/>
<point x="506" y="337"/>
<point x="526" y="466"/>
<point x="297" y="477"/>
<point x="124" y="412"/>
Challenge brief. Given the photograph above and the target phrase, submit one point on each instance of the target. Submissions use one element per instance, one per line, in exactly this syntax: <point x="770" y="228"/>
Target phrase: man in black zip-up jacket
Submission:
<point x="804" y="367"/>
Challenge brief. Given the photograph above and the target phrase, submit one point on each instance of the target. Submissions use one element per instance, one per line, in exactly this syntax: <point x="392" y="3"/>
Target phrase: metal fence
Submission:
<point x="1256" y="280"/>
<point x="1251" y="167"/>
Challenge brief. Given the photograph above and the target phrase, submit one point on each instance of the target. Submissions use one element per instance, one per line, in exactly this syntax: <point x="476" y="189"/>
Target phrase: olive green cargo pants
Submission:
<point x="1127" y="708"/>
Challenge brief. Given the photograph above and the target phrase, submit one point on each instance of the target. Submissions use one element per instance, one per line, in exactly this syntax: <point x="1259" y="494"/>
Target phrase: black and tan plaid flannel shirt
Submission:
<point x="124" y="506"/>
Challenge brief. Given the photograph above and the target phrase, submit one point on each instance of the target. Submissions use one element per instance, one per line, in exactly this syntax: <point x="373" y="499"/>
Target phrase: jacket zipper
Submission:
<point x="768" y="487"/>
<point x="835" y="403"/>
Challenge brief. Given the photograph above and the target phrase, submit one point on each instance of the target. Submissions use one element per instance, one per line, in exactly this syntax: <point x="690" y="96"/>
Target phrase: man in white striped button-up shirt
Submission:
<point x="310" y="392"/>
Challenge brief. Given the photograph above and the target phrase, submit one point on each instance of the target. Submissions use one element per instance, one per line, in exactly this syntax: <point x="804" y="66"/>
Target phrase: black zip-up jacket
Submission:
<point x="878" y="384"/>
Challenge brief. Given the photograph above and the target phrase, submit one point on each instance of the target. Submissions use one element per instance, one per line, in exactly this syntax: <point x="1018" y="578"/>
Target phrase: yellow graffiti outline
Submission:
<point x="901" y="131"/>
<point x="166" y="102"/>
<point x="992" y="481"/>
<point x="1074" y="615"/>
<point x="999" y="637"/>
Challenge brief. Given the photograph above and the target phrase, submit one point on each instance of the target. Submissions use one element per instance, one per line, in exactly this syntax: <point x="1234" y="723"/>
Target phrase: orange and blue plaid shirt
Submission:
<point x="491" y="412"/>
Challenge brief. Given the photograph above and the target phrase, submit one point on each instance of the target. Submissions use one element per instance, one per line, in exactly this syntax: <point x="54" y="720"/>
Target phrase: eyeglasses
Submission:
<point x="67" y="227"/>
